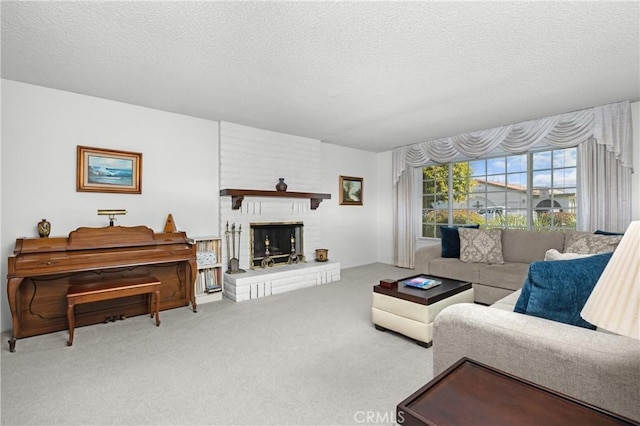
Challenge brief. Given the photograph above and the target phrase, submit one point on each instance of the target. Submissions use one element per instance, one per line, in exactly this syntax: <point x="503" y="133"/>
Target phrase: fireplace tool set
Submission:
<point x="234" y="262"/>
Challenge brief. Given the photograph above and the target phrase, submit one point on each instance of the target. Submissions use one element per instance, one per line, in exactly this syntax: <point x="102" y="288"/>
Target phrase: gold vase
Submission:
<point x="44" y="228"/>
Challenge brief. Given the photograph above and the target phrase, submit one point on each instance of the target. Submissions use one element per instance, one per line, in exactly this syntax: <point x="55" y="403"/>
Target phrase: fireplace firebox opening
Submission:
<point x="276" y="243"/>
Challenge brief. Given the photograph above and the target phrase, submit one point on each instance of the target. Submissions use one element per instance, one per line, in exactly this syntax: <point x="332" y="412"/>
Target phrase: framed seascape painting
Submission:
<point x="351" y="191"/>
<point x="107" y="170"/>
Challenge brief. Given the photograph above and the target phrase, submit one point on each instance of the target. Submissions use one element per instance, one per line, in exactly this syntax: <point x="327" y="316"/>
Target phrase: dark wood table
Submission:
<point x="425" y="297"/>
<point x="471" y="393"/>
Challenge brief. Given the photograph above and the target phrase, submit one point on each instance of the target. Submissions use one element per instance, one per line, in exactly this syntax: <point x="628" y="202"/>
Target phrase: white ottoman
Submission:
<point x="410" y="311"/>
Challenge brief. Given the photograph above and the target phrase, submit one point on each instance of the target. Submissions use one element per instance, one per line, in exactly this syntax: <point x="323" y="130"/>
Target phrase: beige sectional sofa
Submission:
<point x="593" y="366"/>
<point x="492" y="282"/>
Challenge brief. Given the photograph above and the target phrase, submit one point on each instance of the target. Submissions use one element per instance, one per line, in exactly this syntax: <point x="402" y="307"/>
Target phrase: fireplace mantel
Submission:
<point x="237" y="196"/>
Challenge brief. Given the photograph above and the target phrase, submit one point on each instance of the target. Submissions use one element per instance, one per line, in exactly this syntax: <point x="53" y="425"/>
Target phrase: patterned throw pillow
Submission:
<point x="481" y="245"/>
<point x="587" y="243"/>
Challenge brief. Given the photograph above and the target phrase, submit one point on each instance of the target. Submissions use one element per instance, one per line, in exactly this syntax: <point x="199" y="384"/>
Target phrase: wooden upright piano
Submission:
<point x="41" y="270"/>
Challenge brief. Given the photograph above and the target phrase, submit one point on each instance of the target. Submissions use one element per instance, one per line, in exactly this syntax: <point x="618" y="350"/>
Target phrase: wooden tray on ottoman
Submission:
<point x="428" y="296"/>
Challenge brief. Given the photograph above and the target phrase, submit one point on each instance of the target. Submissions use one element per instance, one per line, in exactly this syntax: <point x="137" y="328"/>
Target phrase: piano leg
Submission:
<point x="71" y="320"/>
<point x="155" y="305"/>
<point x="12" y="295"/>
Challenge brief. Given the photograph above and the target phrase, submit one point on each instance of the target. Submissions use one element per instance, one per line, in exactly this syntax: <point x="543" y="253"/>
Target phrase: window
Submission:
<point x="435" y="193"/>
<point x="525" y="191"/>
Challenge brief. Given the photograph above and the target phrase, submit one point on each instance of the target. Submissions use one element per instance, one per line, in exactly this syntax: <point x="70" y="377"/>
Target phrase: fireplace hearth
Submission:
<point x="276" y="243"/>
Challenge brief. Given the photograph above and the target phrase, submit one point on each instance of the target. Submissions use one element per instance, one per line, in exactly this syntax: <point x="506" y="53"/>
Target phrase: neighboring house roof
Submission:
<point x="522" y="188"/>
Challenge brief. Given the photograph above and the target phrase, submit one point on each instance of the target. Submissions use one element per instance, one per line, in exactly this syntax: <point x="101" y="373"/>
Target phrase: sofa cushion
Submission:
<point x="586" y="242"/>
<point x="507" y="303"/>
<point x="450" y="240"/>
<point x="481" y="245"/>
<point x="455" y="269"/>
<point x="529" y="246"/>
<point x="557" y="290"/>
<point x="509" y="275"/>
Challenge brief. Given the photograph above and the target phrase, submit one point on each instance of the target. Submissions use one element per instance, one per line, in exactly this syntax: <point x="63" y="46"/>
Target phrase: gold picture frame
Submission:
<point x="351" y="191"/>
<point x="108" y="170"/>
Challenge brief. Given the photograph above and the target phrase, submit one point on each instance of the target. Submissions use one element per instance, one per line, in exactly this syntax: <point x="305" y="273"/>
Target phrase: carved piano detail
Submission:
<point x="41" y="270"/>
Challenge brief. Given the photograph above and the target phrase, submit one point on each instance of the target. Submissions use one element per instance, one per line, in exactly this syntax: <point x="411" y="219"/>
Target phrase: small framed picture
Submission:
<point x="351" y="191"/>
<point x="107" y="170"/>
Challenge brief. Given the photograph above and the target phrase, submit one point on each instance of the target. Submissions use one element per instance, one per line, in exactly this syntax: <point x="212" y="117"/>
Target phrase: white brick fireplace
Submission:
<point x="255" y="159"/>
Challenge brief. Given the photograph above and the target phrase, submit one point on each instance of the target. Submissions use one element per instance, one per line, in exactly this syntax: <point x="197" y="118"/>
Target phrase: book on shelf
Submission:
<point x="207" y="281"/>
<point x="213" y="289"/>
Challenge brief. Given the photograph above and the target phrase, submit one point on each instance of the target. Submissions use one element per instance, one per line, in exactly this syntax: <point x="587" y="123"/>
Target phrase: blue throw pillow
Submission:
<point x="558" y="289"/>
<point x="608" y="232"/>
<point x="525" y="293"/>
<point x="450" y="240"/>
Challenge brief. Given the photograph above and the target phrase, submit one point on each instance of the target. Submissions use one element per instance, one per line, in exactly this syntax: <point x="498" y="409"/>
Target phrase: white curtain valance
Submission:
<point x="609" y="125"/>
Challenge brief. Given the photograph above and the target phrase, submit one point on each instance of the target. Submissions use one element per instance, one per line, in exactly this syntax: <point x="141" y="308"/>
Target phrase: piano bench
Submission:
<point x="113" y="289"/>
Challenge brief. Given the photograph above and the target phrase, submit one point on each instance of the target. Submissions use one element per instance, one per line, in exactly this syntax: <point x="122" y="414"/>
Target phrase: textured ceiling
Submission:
<point x="369" y="75"/>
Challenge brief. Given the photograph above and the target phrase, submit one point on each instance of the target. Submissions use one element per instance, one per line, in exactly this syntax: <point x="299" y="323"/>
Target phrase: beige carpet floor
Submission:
<point x="306" y="357"/>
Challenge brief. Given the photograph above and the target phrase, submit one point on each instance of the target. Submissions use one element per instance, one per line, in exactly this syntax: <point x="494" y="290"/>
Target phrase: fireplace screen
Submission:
<point x="276" y="243"/>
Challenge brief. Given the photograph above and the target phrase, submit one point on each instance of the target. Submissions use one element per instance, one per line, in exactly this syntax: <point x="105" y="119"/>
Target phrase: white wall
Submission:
<point x="385" y="208"/>
<point x="350" y="232"/>
<point x="40" y="131"/>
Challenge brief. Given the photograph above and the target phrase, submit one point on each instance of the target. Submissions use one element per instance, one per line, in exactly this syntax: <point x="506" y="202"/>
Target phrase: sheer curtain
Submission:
<point x="604" y="188"/>
<point x="609" y="126"/>
<point x="604" y="200"/>
<point x="406" y="216"/>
